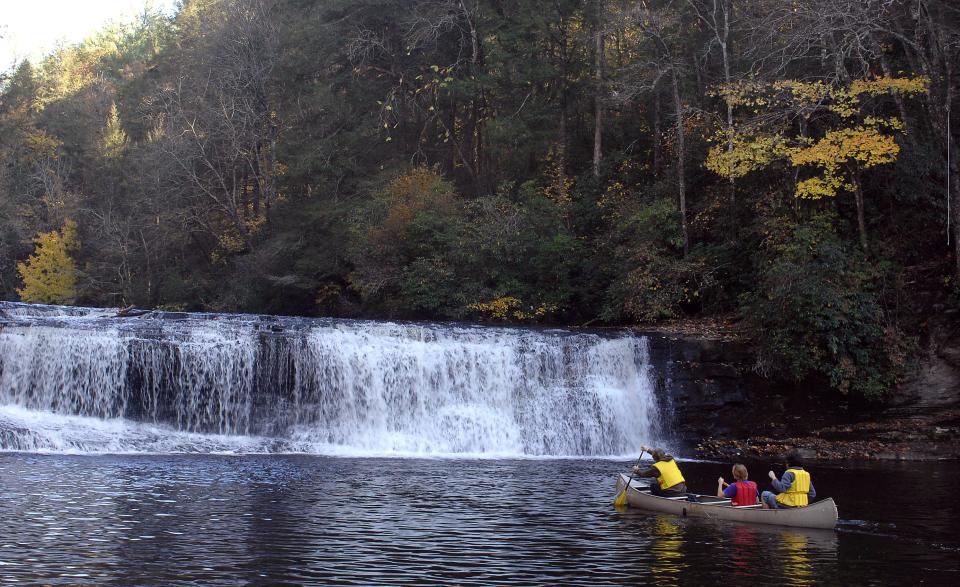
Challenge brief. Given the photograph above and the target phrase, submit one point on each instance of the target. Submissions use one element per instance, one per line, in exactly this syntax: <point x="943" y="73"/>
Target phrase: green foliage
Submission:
<point x="650" y="285"/>
<point x="651" y="279"/>
<point x="114" y="141"/>
<point x="397" y="237"/>
<point x="819" y="309"/>
<point x="420" y="250"/>
<point x="518" y="245"/>
<point x="430" y="287"/>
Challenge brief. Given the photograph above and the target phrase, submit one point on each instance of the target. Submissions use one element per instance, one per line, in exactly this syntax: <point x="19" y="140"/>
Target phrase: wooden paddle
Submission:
<point x="621" y="499"/>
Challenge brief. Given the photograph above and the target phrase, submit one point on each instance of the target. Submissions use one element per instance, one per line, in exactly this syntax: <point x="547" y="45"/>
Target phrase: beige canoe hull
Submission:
<point x="820" y="514"/>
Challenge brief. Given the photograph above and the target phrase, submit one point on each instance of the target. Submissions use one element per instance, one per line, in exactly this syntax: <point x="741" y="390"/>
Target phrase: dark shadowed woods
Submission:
<point x="787" y="167"/>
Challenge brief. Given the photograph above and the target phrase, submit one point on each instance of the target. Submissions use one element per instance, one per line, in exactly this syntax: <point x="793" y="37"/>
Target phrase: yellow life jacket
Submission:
<point x="796" y="494"/>
<point x="669" y="473"/>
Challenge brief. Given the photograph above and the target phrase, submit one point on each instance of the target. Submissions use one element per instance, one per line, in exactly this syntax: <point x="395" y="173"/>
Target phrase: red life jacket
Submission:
<point x="746" y="493"/>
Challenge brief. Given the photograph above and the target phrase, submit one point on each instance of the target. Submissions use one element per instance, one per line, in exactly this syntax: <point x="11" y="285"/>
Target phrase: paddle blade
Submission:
<point x="621" y="499"/>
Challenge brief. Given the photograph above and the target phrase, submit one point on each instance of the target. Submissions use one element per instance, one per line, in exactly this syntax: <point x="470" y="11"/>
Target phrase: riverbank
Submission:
<point x="723" y="409"/>
<point x="933" y="437"/>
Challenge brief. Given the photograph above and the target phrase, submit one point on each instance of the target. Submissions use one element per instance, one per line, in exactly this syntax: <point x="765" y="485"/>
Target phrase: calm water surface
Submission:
<point x="207" y="520"/>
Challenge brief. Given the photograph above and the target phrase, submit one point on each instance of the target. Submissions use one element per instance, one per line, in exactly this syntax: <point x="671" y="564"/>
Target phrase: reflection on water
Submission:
<point x="806" y="556"/>
<point x="302" y="520"/>
<point x="668" y="561"/>
<point x="743" y="545"/>
<point x="690" y="551"/>
<point x="796" y="558"/>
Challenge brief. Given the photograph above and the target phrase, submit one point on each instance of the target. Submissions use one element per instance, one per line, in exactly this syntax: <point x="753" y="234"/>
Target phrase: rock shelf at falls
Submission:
<point x="85" y="380"/>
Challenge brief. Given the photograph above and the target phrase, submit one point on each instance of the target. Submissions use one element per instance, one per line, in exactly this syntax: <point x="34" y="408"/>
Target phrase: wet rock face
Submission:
<point x="719" y="407"/>
<point x="711" y="390"/>
<point x="706" y="385"/>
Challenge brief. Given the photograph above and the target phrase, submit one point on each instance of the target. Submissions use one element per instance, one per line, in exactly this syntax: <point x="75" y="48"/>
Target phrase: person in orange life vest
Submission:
<point x="793" y="490"/>
<point x="741" y="492"/>
<point x="669" y="480"/>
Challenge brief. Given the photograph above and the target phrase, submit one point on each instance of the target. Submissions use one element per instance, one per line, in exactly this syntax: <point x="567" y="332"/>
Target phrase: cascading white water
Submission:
<point x="81" y="380"/>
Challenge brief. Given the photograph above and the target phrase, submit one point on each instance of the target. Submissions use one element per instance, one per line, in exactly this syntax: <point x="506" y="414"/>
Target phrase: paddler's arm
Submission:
<point x="641" y="473"/>
<point x="784" y="483"/>
<point x="813" y="492"/>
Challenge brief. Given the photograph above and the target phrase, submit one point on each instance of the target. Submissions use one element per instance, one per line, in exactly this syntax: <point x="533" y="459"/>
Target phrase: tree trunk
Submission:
<point x="259" y="180"/>
<point x="955" y="212"/>
<point x="656" y="132"/>
<point x="474" y="40"/>
<point x="473" y="135"/>
<point x="270" y="187"/>
<point x="888" y="72"/>
<point x="734" y="228"/>
<point x="451" y="123"/>
<point x="952" y="188"/>
<point x="953" y="197"/>
<point x="681" y="182"/>
<point x="476" y="114"/>
<point x="598" y="120"/>
<point x="148" y="271"/>
<point x="936" y="63"/>
<point x="861" y="219"/>
<point x="245" y="195"/>
<point x="562" y="138"/>
<point x="564" y="87"/>
<point x="701" y="88"/>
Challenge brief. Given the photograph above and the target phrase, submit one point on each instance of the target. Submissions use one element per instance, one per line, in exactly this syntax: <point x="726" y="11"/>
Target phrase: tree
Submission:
<point x="403" y="228"/>
<point x="852" y="140"/>
<point x="598" y="78"/>
<point x="716" y="16"/>
<point x="851" y="39"/>
<point x="50" y="274"/>
<point x="218" y="121"/>
<point x="818" y="310"/>
<point x="114" y="141"/>
<point x="528" y="160"/>
<point x="660" y="28"/>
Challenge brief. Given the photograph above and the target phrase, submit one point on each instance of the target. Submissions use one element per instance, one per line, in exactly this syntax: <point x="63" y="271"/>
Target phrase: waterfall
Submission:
<point x="84" y="380"/>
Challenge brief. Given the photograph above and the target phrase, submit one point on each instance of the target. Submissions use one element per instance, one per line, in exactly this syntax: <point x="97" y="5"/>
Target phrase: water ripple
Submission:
<point x="294" y="520"/>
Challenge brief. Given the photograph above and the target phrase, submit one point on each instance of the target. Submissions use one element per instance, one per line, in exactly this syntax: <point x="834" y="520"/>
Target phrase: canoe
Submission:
<point x="819" y="514"/>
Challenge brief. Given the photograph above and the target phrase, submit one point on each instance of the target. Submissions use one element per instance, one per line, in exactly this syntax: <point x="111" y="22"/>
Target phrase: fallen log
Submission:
<point x="131" y="312"/>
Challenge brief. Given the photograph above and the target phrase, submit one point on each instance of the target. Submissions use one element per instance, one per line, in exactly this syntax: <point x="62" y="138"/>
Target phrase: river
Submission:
<point x="205" y="449"/>
<point x="296" y="519"/>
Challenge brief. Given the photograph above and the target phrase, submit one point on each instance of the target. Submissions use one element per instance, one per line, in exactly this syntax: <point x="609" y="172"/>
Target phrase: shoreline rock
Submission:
<point x="721" y="407"/>
<point x="934" y="437"/>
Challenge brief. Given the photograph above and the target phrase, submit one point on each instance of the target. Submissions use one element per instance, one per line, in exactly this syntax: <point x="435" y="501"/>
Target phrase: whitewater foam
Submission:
<point x="86" y="382"/>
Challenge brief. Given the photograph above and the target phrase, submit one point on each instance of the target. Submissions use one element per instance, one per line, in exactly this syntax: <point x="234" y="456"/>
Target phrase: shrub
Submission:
<point x="818" y="310"/>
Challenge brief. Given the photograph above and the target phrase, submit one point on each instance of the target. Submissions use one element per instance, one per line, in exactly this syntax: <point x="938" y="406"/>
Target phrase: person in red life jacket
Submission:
<point x="669" y="480"/>
<point x="793" y="490"/>
<point x="741" y="492"/>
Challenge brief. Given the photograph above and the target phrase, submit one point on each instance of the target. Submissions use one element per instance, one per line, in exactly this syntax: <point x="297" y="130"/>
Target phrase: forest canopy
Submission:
<point x="790" y="166"/>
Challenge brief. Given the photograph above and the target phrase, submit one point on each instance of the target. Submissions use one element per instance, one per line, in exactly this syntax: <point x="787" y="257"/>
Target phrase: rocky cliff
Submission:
<point x="722" y="408"/>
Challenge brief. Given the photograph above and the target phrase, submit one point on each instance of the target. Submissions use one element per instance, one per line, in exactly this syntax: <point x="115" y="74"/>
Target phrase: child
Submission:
<point x="741" y="492"/>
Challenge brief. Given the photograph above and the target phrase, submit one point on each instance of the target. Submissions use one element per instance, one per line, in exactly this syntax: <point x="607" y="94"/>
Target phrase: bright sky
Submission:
<point x="31" y="28"/>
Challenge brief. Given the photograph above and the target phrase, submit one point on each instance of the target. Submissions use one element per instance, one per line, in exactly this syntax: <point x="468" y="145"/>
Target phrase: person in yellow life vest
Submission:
<point x="669" y="480"/>
<point x="793" y="490"/>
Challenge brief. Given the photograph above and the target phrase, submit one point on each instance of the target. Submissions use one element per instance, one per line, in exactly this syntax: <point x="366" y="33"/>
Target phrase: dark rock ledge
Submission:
<point x="721" y="408"/>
